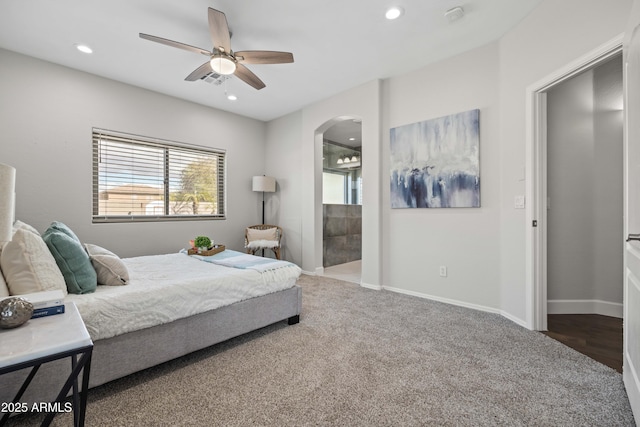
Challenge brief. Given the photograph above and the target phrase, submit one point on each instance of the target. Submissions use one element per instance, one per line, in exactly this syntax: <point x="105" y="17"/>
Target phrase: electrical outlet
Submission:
<point x="443" y="271"/>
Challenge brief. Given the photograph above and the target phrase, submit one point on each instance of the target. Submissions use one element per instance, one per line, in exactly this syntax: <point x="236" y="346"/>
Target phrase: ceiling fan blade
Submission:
<point x="219" y="30"/>
<point x="247" y="76"/>
<point x="264" y="57"/>
<point x="174" y="44"/>
<point x="199" y="72"/>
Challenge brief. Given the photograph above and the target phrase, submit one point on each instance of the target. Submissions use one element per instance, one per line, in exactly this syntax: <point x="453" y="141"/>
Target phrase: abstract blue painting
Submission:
<point x="436" y="163"/>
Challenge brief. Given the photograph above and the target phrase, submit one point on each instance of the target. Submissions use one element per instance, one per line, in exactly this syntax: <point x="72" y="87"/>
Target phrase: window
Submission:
<point x="342" y="174"/>
<point x="144" y="179"/>
<point x="334" y="188"/>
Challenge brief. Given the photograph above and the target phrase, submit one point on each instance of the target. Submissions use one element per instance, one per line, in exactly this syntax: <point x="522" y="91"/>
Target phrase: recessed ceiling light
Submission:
<point x="232" y="97"/>
<point x="393" y="13"/>
<point x="83" y="48"/>
<point x="352" y="139"/>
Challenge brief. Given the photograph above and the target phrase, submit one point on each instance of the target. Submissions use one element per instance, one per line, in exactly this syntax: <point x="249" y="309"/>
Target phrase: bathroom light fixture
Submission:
<point x="223" y="65"/>
<point x="393" y="13"/>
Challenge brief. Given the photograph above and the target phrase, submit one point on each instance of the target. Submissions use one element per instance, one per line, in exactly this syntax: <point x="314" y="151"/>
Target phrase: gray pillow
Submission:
<point x="109" y="267"/>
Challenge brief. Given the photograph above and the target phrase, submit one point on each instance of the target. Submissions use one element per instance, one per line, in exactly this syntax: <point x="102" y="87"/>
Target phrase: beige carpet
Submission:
<point x="365" y="358"/>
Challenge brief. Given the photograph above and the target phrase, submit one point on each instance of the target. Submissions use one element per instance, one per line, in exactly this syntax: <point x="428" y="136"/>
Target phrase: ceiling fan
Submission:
<point x="222" y="59"/>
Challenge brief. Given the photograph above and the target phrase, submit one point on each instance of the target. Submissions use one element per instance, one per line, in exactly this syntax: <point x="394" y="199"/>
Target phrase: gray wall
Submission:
<point x="46" y="115"/>
<point x="418" y="241"/>
<point x="484" y="249"/>
<point x="554" y="35"/>
<point x="585" y="163"/>
<point x="341" y="234"/>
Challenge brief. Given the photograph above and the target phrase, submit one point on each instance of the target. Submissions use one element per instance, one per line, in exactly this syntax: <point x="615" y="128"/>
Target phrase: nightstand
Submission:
<point x="44" y="340"/>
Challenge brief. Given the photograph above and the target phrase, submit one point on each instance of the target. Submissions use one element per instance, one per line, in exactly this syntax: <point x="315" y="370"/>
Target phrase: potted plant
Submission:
<point x="203" y="243"/>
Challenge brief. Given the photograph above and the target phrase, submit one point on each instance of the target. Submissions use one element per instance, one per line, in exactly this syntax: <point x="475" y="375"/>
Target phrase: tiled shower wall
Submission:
<point x="341" y="234"/>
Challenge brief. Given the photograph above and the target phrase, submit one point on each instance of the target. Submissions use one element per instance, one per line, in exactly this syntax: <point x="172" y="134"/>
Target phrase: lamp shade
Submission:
<point x="264" y="183"/>
<point x="7" y="201"/>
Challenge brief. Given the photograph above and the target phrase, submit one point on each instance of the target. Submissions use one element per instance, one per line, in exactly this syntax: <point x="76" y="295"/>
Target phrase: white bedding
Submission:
<point x="164" y="288"/>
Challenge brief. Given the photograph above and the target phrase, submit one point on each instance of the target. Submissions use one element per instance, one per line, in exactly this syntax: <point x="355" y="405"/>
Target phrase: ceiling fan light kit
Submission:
<point x="222" y="60"/>
<point x="223" y="65"/>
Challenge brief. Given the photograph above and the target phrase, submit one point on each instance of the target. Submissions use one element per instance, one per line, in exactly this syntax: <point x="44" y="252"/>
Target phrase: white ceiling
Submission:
<point x="337" y="44"/>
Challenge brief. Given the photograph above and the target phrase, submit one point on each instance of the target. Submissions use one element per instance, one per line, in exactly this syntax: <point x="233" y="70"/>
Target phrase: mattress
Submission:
<point x="164" y="288"/>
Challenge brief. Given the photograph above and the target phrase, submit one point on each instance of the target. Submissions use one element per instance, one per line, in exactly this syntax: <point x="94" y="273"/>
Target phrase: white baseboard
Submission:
<point x="594" y="306"/>
<point x="631" y="385"/>
<point x="319" y="272"/>
<point x="514" y="319"/>
<point x="445" y="300"/>
<point x="370" y="286"/>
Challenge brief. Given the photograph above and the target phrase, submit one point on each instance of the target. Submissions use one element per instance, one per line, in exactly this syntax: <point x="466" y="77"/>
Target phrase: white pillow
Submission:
<point x="28" y="266"/>
<point x="24" y="226"/>
<point x="259" y="244"/>
<point x="4" y="289"/>
<point x="19" y="224"/>
<point x="109" y="267"/>
<point x="270" y="234"/>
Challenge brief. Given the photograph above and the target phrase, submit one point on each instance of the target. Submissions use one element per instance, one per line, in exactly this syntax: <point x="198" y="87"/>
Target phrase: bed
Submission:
<point x="173" y="304"/>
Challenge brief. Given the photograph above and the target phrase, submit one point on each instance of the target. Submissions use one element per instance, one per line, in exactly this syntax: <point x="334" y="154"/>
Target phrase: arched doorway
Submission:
<point x="341" y="200"/>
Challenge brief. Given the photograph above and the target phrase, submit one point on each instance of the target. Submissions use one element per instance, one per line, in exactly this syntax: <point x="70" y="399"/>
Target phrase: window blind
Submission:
<point x="137" y="178"/>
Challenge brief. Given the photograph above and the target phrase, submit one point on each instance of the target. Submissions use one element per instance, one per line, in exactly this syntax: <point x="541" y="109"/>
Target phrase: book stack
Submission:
<point x="46" y="303"/>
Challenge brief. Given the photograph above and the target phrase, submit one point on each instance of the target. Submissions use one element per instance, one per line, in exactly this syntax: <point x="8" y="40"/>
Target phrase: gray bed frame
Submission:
<point x="125" y="354"/>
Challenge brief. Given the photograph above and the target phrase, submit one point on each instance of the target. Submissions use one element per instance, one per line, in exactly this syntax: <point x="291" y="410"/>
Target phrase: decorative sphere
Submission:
<point x="14" y="312"/>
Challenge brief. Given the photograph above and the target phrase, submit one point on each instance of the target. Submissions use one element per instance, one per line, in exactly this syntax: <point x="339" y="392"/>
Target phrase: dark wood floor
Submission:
<point x="599" y="337"/>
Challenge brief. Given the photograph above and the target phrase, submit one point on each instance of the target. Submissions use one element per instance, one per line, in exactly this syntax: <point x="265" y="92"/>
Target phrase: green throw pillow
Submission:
<point x="59" y="226"/>
<point x="73" y="261"/>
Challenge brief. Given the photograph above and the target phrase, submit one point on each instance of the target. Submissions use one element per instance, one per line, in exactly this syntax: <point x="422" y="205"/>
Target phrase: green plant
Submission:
<point x="202" y="242"/>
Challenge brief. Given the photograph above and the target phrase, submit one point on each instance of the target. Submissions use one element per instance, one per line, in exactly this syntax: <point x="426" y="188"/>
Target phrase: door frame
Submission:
<point x="536" y="178"/>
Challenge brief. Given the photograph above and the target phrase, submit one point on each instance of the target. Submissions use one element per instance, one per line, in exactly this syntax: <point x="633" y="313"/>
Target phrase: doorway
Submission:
<point x="342" y="201"/>
<point x="585" y="192"/>
<point x="576" y="186"/>
<point x="537" y="179"/>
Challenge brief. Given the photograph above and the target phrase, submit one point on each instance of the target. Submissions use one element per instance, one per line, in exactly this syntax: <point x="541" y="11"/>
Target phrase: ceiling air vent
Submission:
<point x="214" y="78"/>
<point x="454" y="14"/>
